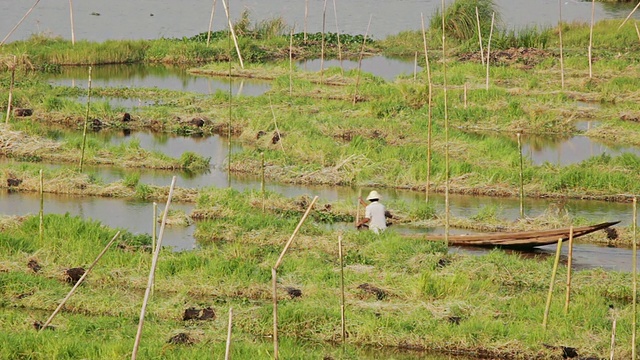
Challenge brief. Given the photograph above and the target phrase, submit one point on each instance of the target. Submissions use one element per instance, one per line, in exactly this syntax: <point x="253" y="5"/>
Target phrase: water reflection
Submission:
<point x="384" y="67"/>
<point x="155" y="76"/>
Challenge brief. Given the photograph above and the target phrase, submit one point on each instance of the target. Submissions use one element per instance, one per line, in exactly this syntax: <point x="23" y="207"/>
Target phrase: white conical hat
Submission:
<point x="373" y="196"/>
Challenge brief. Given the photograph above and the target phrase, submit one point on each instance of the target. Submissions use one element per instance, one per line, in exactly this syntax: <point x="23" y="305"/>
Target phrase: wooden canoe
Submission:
<point x="519" y="240"/>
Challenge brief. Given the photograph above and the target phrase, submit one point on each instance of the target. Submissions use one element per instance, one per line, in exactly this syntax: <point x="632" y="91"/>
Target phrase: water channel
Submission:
<point x="98" y="20"/>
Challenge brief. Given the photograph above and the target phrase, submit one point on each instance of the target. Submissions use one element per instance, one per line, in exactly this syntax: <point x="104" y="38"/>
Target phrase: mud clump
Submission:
<point x="370" y="289"/>
<point x="73" y="275"/>
<point x="198" y="314"/>
<point x="13" y="182"/>
<point x="293" y="292"/>
<point x="33" y="265"/>
<point x="181" y="339"/>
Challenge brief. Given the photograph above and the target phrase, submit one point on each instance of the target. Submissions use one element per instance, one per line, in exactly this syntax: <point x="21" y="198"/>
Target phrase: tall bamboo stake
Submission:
<point x="479" y="36"/>
<point x="291" y="63"/>
<point x="324" y="16"/>
<point x="213" y="12"/>
<point x="55" y="312"/>
<point x="86" y="121"/>
<point x="637" y="30"/>
<point x="613" y="334"/>
<point x="521" y="178"/>
<point x="358" y="207"/>
<point x="553" y="280"/>
<point x="227" y="352"/>
<point x="446" y="133"/>
<point x="274" y="284"/>
<point x="342" y="302"/>
<point x="73" y="33"/>
<point x="154" y="227"/>
<point x="569" y="261"/>
<point x="286" y="247"/>
<point x="364" y="42"/>
<point x="230" y="110"/>
<point x="415" y="67"/>
<point x="154" y="263"/>
<point x="306" y="13"/>
<point x="560" y="34"/>
<point x="335" y="13"/>
<point x="489" y="48"/>
<point x="262" y="183"/>
<point x="593" y="9"/>
<point x="13" y="78"/>
<point x="19" y="22"/>
<point x="41" y="227"/>
<point x="233" y="33"/>
<point x="627" y="18"/>
<point x="426" y="58"/>
<point x="635" y="279"/>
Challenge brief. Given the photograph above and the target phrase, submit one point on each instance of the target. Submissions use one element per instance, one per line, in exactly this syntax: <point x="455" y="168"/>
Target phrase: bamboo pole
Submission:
<point x="154" y="263"/>
<point x="230" y="110"/>
<point x="342" y="302"/>
<point x="479" y="36"/>
<point x="55" y="312"/>
<point x="86" y="121"/>
<point x="12" y="81"/>
<point x="306" y="13"/>
<point x="635" y="279"/>
<point x="521" y="178"/>
<point x="213" y="12"/>
<point x="227" y="352"/>
<point x="637" y="30"/>
<point x="262" y="182"/>
<point x="627" y="18"/>
<point x="364" y="42"/>
<point x="153" y="236"/>
<point x="446" y="132"/>
<point x="73" y="33"/>
<point x="613" y="333"/>
<point x="233" y="33"/>
<point x="291" y="64"/>
<point x="426" y="58"/>
<point x="41" y="227"/>
<point x="358" y="207"/>
<point x="560" y="34"/>
<point x="335" y="13"/>
<point x="553" y="280"/>
<point x="415" y="67"/>
<point x="569" y="262"/>
<point x="593" y="8"/>
<point x="489" y="49"/>
<point x="324" y="16"/>
<point x="274" y="284"/>
<point x="286" y="247"/>
<point x="19" y="22"/>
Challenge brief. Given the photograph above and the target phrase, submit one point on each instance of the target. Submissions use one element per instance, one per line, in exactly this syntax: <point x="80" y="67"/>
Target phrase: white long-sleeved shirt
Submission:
<point x="375" y="213"/>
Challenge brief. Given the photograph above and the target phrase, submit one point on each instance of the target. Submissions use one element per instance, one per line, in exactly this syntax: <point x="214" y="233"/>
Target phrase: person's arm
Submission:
<point x="362" y="222"/>
<point x="362" y="202"/>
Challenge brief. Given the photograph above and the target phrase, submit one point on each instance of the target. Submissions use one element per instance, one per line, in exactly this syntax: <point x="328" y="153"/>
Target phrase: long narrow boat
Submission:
<point x="519" y="240"/>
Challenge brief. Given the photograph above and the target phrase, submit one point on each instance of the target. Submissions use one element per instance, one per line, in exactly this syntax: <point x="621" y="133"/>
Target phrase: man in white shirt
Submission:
<point x="374" y="214"/>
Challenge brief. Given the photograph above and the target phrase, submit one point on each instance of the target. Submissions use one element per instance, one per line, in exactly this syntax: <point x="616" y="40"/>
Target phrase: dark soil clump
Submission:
<point x="293" y="292"/>
<point x="181" y="338"/>
<point x="73" y="275"/>
<point x="33" y="265"/>
<point x="198" y="314"/>
<point x="379" y="293"/>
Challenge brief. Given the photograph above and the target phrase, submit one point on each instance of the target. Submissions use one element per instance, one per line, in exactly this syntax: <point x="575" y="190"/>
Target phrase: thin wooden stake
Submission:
<point x="553" y="280"/>
<point x="324" y="16"/>
<point x="73" y="33"/>
<point x="274" y="283"/>
<point x="637" y="30"/>
<point x="41" y="227"/>
<point x="627" y="18"/>
<point x="426" y="58"/>
<point x="154" y="263"/>
<point x="213" y="12"/>
<point x="227" y="352"/>
<point x="153" y="236"/>
<point x="262" y="183"/>
<point x="55" y="312"/>
<point x="358" y="207"/>
<point x="561" y="51"/>
<point x="521" y="178"/>
<point x="233" y="33"/>
<point x="291" y="63"/>
<point x="13" y="77"/>
<point x="335" y="13"/>
<point x="342" y="302"/>
<point x="613" y="334"/>
<point x="480" y="36"/>
<point x="446" y="132"/>
<point x="593" y="8"/>
<point x="569" y="261"/>
<point x="489" y="49"/>
<point x="415" y="67"/>
<point x="295" y="232"/>
<point x="86" y="121"/>
<point x="19" y="22"/>
<point x="364" y="42"/>
<point x="635" y="279"/>
<point x="306" y="13"/>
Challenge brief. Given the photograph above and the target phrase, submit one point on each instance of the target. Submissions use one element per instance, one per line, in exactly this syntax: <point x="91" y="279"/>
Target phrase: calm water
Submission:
<point x="146" y="19"/>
